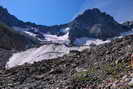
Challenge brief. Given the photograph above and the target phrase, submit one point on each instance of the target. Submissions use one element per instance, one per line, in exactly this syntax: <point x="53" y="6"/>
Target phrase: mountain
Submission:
<point x="91" y="24"/>
<point x="9" y="19"/>
<point x="106" y="66"/>
<point x="92" y="27"/>
<point x="12" y="21"/>
<point x="34" y="56"/>
<point x="95" y="24"/>
<point x="10" y="39"/>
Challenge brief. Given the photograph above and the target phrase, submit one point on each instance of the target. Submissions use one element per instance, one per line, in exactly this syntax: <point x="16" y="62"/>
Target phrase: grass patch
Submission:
<point x="106" y="70"/>
<point x="114" y="70"/>
<point x="87" y="76"/>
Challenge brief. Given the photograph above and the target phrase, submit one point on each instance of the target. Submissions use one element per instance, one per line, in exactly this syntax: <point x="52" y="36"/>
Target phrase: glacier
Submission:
<point x="44" y="52"/>
<point x="57" y="39"/>
<point x="53" y="50"/>
<point x="32" y="55"/>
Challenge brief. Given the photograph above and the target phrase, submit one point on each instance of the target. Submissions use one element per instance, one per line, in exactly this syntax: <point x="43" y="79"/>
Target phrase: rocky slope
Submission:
<point x="102" y="67"/>
<point x="4" y="57"/>
<point x="10" y="39"/>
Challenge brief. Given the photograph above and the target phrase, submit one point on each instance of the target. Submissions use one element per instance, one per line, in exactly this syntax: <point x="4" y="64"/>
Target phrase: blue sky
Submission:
<point x="51" y="12"/>
<point x="46" y="12"/>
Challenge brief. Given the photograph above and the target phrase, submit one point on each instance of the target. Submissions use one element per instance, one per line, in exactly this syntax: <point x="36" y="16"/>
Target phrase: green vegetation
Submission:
<point x="93" y="74"/>
<point x="87" y="76"/>
<point x="5" y="27"/>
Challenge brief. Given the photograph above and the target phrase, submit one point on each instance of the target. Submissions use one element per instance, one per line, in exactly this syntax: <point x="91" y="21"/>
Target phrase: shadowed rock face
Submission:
<point x="4" y="56"/>
<point x="94" y="23"/>
<point x="10" y="39"/>
<point x="129" y="24"/>
<point x="9" y="19"/>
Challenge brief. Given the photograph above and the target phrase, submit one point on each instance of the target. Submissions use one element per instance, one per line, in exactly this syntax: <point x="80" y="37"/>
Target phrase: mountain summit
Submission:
<point x="95" y="24"/>
<point x="9" y="19"/>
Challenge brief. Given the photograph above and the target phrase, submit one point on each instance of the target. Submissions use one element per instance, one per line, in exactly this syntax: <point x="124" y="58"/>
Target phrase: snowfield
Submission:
<point x="32" y="55"/>
<point x="47" y="37"/>
<point x="89" y="41"/>
<point x="57" y="39"/>
<point x="44" y="52"/>
<point x="51" y="51"/>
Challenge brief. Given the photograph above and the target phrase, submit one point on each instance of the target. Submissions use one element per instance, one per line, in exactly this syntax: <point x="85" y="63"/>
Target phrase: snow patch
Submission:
<point x="126" y="33"/>
<point x="65" y="30"/>
<point x="44" y="52"/>
<point x="47" y="37"/>
<point x="89" y="41"/>
<point x="57" y="39"/>
<point x="26" y="31"/>
<point x="31" y="34"/>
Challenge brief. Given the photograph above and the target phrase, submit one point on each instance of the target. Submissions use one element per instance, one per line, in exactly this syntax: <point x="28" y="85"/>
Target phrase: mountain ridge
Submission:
<point x="92" y="23"/>
<point x="97" y="24"/>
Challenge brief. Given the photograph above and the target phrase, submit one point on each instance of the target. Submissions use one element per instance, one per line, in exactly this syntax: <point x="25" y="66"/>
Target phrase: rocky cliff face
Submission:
<point x="4" y="57"/>
<point x="9" y="19"/>
<point x="10" y="39"/>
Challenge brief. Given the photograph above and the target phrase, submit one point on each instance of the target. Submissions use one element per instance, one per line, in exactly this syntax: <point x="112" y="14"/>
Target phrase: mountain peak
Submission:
<point x="95" y="24"/>
<point x="95" y="15"/>
<point x="9" y="19"/>
<point x="3" y="10"/>
<point x="95" y="10"/>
